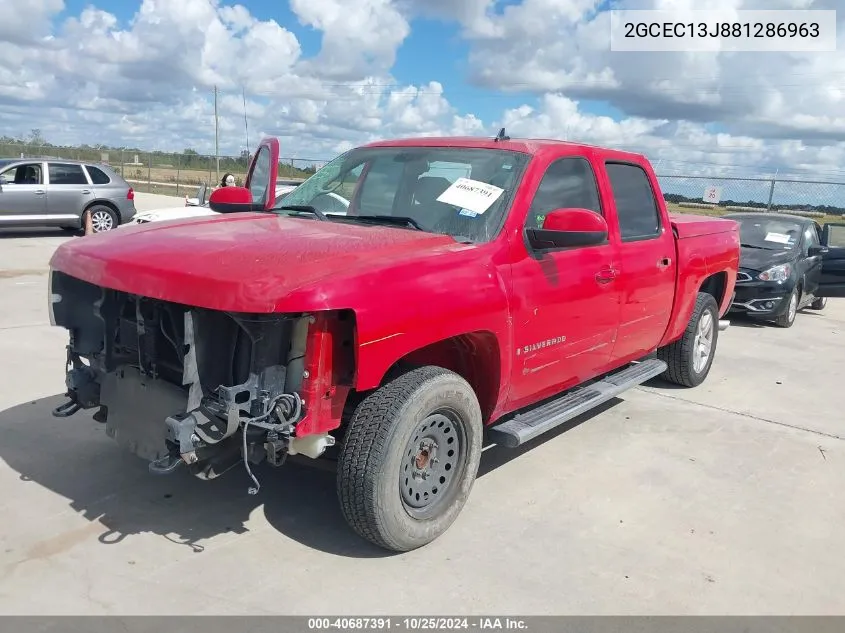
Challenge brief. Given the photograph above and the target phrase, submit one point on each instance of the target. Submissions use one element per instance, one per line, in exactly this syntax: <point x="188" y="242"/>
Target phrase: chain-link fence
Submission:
<point x="181" y="174"/>
<point x="717" y="196"/>
<point x="177" y="174"/>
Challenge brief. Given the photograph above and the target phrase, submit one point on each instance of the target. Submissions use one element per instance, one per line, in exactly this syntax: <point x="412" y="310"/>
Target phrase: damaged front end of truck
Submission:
<point x="189" y="387"/>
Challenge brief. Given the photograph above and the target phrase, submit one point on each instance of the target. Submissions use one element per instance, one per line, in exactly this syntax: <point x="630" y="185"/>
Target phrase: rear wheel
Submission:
<point x="103" y="218"/>
<point x="690" y="357"/>
<point x="787" y="319"/>
<point x="409" y="458"/>
<point x="819" y="303"/>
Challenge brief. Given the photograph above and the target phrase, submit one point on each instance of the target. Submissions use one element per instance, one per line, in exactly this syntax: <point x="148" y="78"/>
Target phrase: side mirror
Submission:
<point x="816" y="250"/>
<point x="233" y="200"/>
<point x="565" y="228"/>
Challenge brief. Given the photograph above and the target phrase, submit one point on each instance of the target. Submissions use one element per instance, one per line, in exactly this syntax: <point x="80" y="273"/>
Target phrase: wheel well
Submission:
<point x="474" y="356"/>
<point x="715" y="285"/>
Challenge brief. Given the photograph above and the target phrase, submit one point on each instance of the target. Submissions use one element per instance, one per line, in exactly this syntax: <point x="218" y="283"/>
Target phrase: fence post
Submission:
<point x="149" y="173"/>
<point x="771" y="195"/>
<point x="178" y="170"/>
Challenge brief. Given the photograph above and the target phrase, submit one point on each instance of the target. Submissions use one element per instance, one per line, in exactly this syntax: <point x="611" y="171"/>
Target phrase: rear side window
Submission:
<point x="98" y="176"/>
<point x="635" y="203"/>
<point x="66" y="174"/>
<point x="568" y="183"/>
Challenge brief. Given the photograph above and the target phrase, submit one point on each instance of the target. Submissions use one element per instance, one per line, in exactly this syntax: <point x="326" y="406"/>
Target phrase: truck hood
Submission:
<point x="244" y="262"/>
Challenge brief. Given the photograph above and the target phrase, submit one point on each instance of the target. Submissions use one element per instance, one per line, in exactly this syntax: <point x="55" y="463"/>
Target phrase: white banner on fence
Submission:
<point x="712" y="195"/>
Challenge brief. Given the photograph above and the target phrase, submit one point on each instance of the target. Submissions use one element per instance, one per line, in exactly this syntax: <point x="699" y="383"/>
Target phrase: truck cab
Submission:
<point x="474" y="289"/>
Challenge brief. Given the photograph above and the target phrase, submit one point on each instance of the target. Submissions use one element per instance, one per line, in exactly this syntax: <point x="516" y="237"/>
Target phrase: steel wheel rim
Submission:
<point x="793" y="306"/>
<point x="101" y="221"/>
<point x="703" y="342"/>
<point x="433" y="464"/>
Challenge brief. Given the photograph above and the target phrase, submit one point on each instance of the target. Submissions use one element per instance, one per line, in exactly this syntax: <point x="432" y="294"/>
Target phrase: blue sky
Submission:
<point x="147" y="69"/>
<point x="434" y="50"/>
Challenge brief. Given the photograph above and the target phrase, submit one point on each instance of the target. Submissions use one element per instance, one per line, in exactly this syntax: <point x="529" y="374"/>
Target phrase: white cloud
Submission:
<point x="27" y="26"/>
<point x="148" y="82"/>
<point x="563" y="45"/>
<point x="358" y="35"/>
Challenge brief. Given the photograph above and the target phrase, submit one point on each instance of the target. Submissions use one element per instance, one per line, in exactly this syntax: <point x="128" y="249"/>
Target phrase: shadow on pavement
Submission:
<point x="75" y="459"/>
<point x="37" y="232"/>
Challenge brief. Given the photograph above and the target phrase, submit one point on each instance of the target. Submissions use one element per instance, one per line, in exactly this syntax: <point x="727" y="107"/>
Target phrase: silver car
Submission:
<point x="47" y="192"/>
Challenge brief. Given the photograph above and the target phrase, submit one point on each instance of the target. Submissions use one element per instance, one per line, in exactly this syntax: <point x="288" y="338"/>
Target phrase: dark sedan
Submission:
<point x="780" y="266"/>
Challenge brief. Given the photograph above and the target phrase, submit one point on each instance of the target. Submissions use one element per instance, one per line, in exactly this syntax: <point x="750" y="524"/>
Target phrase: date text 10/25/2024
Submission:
<point x="715" y="30"/>
<point x="416" y="624"/>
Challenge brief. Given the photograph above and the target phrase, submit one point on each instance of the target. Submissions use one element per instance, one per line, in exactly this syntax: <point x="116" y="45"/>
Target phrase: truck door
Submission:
<point x="646" y="260"/>
<point x="832" y="251"/>
<point x="566" y="301"/>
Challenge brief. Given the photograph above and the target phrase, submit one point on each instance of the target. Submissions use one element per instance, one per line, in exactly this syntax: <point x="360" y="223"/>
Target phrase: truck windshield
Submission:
<point x="769" y="234"/>
<point x="462" y="192"/>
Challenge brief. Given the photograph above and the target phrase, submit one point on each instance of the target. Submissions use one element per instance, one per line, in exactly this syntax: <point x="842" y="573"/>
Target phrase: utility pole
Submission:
<point x="246" y="123"/>
<point x="216" y="136"/>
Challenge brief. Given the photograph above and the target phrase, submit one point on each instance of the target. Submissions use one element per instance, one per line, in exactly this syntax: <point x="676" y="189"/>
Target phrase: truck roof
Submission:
<point x="525" y="145"/>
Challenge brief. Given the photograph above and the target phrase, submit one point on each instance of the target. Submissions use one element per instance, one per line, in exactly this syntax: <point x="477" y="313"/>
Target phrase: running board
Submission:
<point x="526" y="426"/>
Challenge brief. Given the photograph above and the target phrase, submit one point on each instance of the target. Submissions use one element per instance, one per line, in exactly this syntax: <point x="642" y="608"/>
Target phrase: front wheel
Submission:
<point x="690" y="357"/>
<point x="409" y="458"/>
<point x="787" y="319"/>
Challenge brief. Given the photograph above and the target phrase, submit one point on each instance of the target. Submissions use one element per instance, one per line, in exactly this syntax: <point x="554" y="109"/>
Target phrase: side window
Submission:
<point x="29" y="174"/>
<point x="379" y="187"/>
<point x="98" y="176"/>
<point x="260" y="178"/>
<point x="834" y="235"/>
<point x="347" y="186"/>
<point x="66" y="174"/>
<point x="635" y="204"/>
<point x="567" y="183"/>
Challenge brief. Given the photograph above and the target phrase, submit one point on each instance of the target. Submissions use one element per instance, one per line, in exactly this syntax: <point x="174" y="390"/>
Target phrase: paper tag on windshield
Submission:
<point x="780" y="238"/>
<point x="471" y="195"/>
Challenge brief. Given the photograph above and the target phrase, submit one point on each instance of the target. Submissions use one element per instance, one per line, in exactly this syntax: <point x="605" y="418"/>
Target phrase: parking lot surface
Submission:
<point x="725" y="499"/>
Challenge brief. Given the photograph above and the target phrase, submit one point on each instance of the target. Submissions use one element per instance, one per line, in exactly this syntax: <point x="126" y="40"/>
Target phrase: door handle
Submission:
<point x="39" y="192"/>
<point x="86" y="191"/>
<point x="606" y="275"/>
<point x="664" y="262"/>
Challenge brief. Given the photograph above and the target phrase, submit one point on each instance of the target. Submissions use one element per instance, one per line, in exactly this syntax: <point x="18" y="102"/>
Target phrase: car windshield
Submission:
<point x="773" y="234"/>
<point x="461" y="192"/>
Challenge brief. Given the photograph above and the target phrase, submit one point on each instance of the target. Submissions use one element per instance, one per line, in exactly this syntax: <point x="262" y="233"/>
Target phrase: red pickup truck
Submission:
<point x="474" y="287"/>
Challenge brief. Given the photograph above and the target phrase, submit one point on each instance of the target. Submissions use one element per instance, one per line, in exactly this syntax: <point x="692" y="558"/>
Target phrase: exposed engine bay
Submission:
<point x="185" y="386"/>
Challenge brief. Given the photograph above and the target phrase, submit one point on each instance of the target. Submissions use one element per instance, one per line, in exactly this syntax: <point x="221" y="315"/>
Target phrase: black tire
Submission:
<point x="818" y="304"/>
<point x="680" y="355"/>
<point x="787" y="319"/>
<point x="103" y="218"/>
<point x="377" y="453"/>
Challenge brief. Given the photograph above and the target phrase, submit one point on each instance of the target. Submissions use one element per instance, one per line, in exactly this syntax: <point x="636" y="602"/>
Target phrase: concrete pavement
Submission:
<point x="725" y="499"/>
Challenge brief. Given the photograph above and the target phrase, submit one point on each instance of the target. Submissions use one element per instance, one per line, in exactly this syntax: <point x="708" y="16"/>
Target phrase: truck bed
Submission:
<point x="690" y="225"/>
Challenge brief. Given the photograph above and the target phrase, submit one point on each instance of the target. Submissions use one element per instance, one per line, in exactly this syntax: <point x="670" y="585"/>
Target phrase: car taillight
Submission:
<point x="130" y="195"/>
